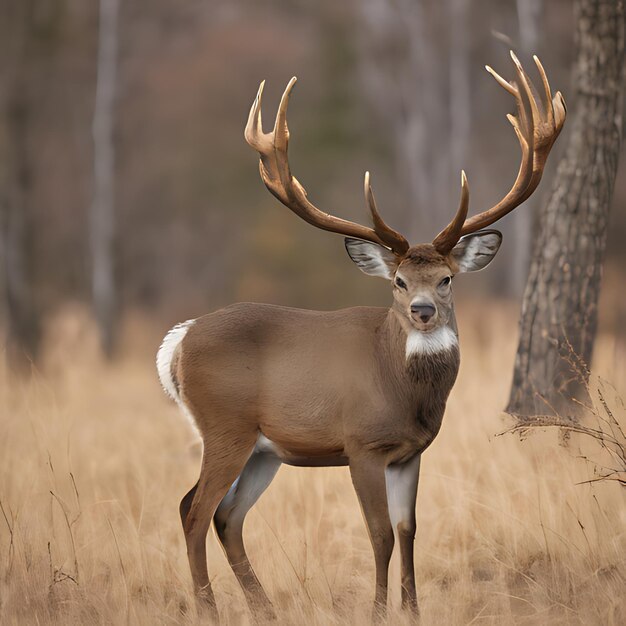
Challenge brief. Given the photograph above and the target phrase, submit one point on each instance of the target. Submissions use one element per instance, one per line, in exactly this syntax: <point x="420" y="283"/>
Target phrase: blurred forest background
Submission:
<point x="398" y="88"/>
<point x="126" y="183"/>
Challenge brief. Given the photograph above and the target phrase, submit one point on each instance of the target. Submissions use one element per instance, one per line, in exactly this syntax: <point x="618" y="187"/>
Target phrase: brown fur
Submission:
<point x="278" y="371"/>
<point x="423" y="254"/>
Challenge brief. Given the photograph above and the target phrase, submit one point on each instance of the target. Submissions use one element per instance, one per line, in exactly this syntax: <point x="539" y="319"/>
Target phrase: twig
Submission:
<point x="10" y="526"/>
<point x="63" y="507"/>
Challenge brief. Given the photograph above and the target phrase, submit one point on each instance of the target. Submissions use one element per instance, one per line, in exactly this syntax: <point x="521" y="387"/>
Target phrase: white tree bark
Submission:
<point x="402" y="72"/>
<point x="528" y="16"/>
<point x="102" y="222"/>
<point x="460" y="97"/>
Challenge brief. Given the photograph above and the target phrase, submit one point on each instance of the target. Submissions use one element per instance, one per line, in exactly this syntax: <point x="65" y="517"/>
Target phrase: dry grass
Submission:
<point x="94" y="461"/>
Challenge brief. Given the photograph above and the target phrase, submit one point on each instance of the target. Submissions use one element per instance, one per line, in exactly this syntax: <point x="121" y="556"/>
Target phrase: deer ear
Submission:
<point x="371" y="258"/>
<point x="474" y="252"/>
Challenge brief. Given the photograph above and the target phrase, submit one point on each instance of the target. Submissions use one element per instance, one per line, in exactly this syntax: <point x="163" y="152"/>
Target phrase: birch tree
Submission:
<point x="401" y="61"/>
<point x="529" y="20"/>
<point x="102" y="222"/>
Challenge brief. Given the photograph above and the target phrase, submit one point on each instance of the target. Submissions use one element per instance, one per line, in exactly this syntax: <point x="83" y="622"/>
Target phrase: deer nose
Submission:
<point x="423" y="311"/>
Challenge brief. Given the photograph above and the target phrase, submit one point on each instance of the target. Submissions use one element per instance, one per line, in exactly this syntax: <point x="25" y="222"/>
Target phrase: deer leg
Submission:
<point x="185" y="503"/>
<point x="222" y="461"/>
<point x="368" y="478"/>
<point x="229" y="518"/>
<point x="401" y="480"/>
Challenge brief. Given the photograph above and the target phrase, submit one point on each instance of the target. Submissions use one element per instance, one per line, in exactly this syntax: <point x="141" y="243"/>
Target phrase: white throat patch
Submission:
<point x="417" y="342"/>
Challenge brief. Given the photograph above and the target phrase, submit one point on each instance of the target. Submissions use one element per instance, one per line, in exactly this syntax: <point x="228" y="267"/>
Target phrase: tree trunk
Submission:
<point x="401" y="50"/>
<point x="104" y="290"/>
<point x="529" y="14"/>
<point x="21" y="306"/>
<point x="460" y="88"/>
<point x="559" y="313"/>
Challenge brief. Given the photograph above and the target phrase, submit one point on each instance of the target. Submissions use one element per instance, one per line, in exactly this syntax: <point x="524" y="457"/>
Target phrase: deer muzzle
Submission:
<point x="422" y="311"/>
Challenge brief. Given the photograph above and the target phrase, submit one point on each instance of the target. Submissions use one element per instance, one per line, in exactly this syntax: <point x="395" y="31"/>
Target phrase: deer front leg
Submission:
<point x="368" y="478"/>
<point x="401" y="480"/>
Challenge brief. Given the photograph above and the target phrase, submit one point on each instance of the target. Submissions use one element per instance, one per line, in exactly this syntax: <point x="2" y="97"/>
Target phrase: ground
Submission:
<point x="94" y="460"/>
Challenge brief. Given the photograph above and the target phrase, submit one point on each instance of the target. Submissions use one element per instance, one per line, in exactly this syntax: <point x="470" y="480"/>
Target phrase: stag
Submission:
<point x="364" y="387"/>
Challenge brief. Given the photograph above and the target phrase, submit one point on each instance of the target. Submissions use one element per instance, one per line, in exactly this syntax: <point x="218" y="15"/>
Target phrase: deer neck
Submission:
<point x="420" y="371"/>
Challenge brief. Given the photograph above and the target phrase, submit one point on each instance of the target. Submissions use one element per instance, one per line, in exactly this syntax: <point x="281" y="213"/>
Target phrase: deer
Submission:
<point x="363" y="387"/>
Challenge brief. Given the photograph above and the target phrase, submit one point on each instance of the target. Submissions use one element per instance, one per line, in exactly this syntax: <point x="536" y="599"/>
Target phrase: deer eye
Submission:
<point x="444" y="282"/>
<point x="400" y="283"/>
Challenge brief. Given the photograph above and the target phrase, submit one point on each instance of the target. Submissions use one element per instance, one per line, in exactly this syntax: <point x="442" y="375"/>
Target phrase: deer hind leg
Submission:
<point x="185" y="503"/>
<point x="401" y="480"/>
<point x="222" y="461"/>
<point x="368" y="478"/>
<point x="229" y="518"/>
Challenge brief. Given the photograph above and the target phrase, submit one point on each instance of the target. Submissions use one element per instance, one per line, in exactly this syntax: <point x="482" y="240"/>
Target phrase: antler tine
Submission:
<point x="450" y="235"/>
<point x="254" y="127"/>
<point x="528" y="86"/>
<point x="549" y="107"/>
<point x="276" y="174"/>
<point x="513" y="89"/>
<point x="537" y="128"/>
<point x="392" y="238"/>
<point x="281" y="131"/>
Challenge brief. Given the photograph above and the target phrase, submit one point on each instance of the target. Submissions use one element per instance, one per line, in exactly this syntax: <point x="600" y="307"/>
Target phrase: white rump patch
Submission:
<point x="164" y="367"/>
<point x="165" y="354"/>
<point x="418" y="342"/>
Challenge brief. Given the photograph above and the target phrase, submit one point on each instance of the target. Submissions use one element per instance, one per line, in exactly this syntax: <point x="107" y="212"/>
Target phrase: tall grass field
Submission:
<point x="94" y="460"/>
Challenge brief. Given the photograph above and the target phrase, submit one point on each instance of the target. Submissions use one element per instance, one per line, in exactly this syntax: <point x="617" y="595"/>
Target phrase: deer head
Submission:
<point x="421" y="275"/>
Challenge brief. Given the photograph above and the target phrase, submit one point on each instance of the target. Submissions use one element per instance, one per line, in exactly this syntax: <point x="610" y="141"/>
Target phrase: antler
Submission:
<point x="536" y="131"/>
<point x="276" y="174"/>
